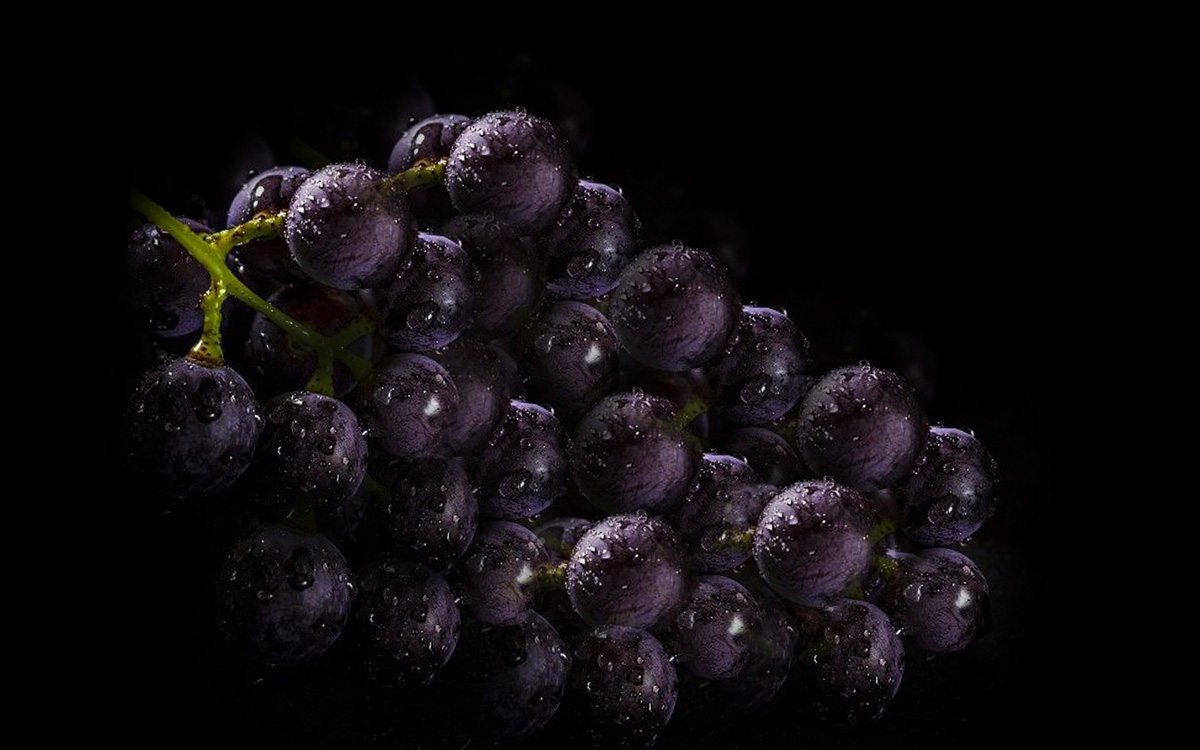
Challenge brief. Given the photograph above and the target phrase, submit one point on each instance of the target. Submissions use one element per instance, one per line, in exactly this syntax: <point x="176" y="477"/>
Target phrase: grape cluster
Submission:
<point x="483" y="435"/>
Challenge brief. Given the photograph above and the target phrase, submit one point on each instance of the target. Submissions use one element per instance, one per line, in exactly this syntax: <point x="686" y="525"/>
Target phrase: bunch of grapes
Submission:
<point x="480" y="437"/>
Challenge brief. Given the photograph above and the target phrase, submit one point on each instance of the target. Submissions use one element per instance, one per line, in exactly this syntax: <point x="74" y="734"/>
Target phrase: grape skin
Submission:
<point x="952" y="490"/>
<point x="165" y="281"/>
<point x="863" y="426"/>
<point x="628" y="685"/>
<point x="191" y="429"/>
<point x="346" y="229"/>
<point x="628" y="569"/>
<point x="674" y="307"/>
<point x="813" y="541"/>
<point x="713" y="632"/>
<point x="628" y="455"/>
<point x="311" y="450"/>
<point x="431" y="300"/>
<point x="406" y="404"/>
<point x="283" y="595"/>
<point x="513" y="166"/>
<point x="404" y="624"/>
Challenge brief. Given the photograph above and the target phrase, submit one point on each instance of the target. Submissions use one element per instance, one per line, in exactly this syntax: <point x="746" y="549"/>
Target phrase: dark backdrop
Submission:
<point x="878" y="198"/>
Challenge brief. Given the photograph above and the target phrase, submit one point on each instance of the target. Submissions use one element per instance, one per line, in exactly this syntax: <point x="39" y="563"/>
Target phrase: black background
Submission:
<point x="902" y="192"/>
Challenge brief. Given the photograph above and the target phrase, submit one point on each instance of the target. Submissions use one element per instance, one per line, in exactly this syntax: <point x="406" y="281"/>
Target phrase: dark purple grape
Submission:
<point x="572" y="358"/>
<point x="952" y="490"/>
<point x="625" y="685"/>
<point x="164" y="282"/>
<point x="714" y="632"/>
<point x="429" y="139"/>
<point x="191" y="429"/>
<point x="404" y="624"/>
<point x="938" y="598"/>
<point x="759" y="376"/>
<point x="311" y="450"/>
<point x="863" y="426"/>
<point x="628" y="569"/>
<point x="432" y="298"/>
<point x="814" y="541"/>
<point x="591" y="243"/>
<point x="480" y="372"/>
<point x="514" y="166"/>
<point x="516" y="678"/>
<point x="275" y="365"/>
<point x="522" y="469"/>
<point x="771" y="643"/>
<point x="674" y="307"/>
<point x="347" y="229"/>
<point x="850" y="661"/>
<point x="510" y="273"/>
<point x="283" y="595"/>
<point x="267" y="192"/>
<point x="424" y="511"/>
<point x="406" y="404"/>
<point x="629" y="455"/>
<point x="719" y="511"/>
<point x="768" y="453"/>
<point x="500" y="572"/>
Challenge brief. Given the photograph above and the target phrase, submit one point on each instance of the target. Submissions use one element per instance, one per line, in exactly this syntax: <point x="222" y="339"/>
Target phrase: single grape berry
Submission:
<point x="714" y="632"/>
<point x="513" y="166"/>
<point x="514" y="677"/>
<point x="571" y="360"/>
<point x="863" y="426"/>
<point x="628" y="454"/>
<point x="952" y="490"/>
<point x="283" y="595"/>
<point x="937" y="597"/>
<point x="815" y="541"/>
<point x="499" y="572"/>
<point x="431" y="300"/>
<point x="406" y="404"/>
<point x="624" y="686"/>
<point x="850" y="661"/>
<point x="422" y="510"/>
<point x="311" y="450"/>
<point x="522" y="469"/>
<point x="628" y="569"/>
<point x="591" y="243"/>
<point x="164" y="282"/>
<point x="404" y="623"/>
<point x="674" y="307"/>
<point x="191" y="428"/>
<point x="759" y="376"/>
<point x="347" y="229"/>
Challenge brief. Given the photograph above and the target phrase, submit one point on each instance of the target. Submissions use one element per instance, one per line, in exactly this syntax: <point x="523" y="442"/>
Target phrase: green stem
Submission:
<point x="261" y="227"/>
<point x="740" y="540"/>
<point x="213" y="261"/>
<point x="208" y="348"/>
<point x="424" y="172"/>
<point x="551" y="576"/>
